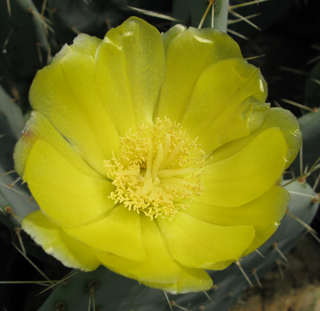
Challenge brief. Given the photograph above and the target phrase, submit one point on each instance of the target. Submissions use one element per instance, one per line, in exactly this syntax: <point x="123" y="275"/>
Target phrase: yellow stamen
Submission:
<point x="157" y="170"/>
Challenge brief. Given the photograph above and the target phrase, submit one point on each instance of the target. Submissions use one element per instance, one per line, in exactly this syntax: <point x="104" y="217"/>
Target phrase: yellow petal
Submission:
<point x="39" y="128"/>
<point x="191" y="280"/>
<point x="198" y="244"/>
<point x="248" y="174"/>
<point x="86" y="44"/>
<point x="159" y="267"/>
<point x="221" y="265"/>
<point x="118" y="233"/>
<point x="171" y="34"/>
<point x="67" y="197"/>
<point x="66" y="94"/>
<point x="264" y="214"/>
<point x="129" y="72"/>
<point x="288" y="124"/>
<point x="57" y="243"/>
<point x="227" y="103"/>
<point x="188" y="55"/>
<point x="276" y="117"/>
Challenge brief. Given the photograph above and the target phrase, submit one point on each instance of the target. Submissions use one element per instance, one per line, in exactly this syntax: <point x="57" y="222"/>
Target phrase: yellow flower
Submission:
<point x="154" y="155"/>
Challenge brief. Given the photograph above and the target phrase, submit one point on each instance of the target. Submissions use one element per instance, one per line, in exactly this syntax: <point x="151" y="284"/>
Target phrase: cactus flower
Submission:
<point x="154" y="155"/>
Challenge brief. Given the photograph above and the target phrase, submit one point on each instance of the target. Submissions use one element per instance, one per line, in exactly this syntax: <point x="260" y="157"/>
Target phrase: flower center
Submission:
<point x="158" y="170"/>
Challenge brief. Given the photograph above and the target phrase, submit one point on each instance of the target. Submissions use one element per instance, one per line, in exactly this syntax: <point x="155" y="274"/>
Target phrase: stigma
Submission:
<point x="157" y="170"/>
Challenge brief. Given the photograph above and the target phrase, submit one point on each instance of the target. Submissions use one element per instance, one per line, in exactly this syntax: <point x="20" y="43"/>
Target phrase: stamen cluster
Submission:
<point x="157" y="169"/>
